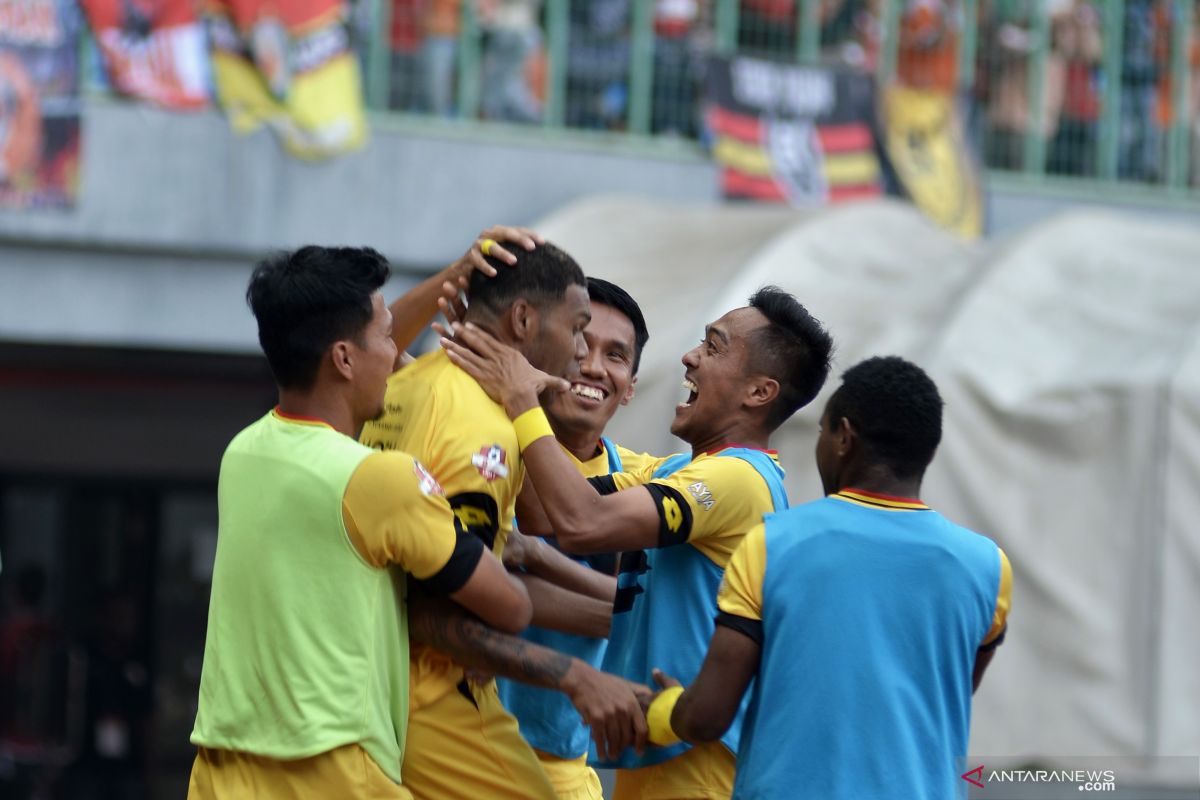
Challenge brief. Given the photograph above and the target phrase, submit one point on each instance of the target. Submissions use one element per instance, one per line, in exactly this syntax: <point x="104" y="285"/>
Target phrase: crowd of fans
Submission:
<point x="425" y="37"/>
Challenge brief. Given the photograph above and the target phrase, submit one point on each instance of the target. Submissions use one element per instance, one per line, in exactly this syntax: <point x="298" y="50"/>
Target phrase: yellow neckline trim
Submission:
<point x="877" y="501"/>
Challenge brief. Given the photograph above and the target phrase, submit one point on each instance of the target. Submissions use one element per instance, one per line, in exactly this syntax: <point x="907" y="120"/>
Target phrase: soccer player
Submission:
<point x="866" y="619"/>
<point x="304" y="688"/>
<point x="678" y="521"/>
<point x="462" y="742"/>
<point x="615" y="338"/>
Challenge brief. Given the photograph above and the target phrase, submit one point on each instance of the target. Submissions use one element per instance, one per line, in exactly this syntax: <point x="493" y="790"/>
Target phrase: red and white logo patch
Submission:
<point x="427" y="482"/>
<point x="492" y="462"/>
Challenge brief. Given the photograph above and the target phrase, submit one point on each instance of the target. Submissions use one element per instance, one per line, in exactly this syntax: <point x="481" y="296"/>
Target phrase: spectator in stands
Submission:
<point x="767" y="28"/>
<point x="928" y="52"/>
<point x="1006" y="46"/>
<point x="405" y="89"/>
<point x="1077" y="38"/>
<point x="598" y="64"/>
<point x="1140" y="140"/>
<point x="1195" y="108"/>
<point x="850" y="33"/>
<point x="440" y="50"/>
<point x="1165" y="21"/>
<point x="675" y="74"/>
<point x="511" y="36"/>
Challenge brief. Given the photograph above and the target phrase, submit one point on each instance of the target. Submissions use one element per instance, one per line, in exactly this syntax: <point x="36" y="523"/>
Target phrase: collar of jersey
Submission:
<point x="298" y="419"/>
<point x="876" y="500"/>
<point x="772" y="453"/>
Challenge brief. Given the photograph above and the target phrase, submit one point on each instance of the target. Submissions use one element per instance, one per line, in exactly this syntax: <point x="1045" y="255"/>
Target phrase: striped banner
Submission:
<point x="790" y="134"/>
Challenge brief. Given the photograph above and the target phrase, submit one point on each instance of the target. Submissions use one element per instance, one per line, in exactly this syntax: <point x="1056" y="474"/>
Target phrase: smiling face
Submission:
<point x="559" y="346"/>
<point x="715" y="375"/>
<point x="605" y="381"/>
<point x="373" y="358"/>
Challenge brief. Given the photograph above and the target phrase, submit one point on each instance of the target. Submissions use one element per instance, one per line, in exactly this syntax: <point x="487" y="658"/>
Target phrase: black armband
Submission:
<point x="603" y="484"/>
<point x="674" y="514"/>
<point x="476" y="513"/>
<point x="468" y="549"/>
<point x="743" y="625"/>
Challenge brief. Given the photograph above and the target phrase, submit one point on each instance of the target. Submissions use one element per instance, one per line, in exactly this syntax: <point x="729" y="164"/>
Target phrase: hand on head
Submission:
<point x="502" y="371"/>
<point x="489" y="244"/>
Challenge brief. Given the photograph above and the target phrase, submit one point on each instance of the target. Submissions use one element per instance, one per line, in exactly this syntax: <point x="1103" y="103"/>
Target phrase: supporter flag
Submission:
<point x="154" y="50"/>
<point x="929" y="152"/>
<point x="39" y="103"/>
<point x="289" y="66"/>
<point x="787" y="133"/>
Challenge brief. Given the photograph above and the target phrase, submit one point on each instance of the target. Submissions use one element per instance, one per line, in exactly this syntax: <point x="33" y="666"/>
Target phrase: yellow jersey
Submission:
<point x="440" y="415"/>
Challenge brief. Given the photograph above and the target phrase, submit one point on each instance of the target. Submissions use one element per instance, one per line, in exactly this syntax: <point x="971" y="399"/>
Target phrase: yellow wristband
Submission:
<point x="531" y="426"/>
<point x="658" y="716"/>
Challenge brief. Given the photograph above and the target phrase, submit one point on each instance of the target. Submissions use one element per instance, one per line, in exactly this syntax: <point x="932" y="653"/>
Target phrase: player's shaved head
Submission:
<point x="793" y="348"/>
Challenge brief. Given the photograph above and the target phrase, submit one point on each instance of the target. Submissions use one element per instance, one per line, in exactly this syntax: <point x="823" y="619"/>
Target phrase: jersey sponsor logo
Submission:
<point x="426" y="481"/>
<point x="491" y="462"/>
<point x="672" y="515"/>
<point x="702" y="494"/>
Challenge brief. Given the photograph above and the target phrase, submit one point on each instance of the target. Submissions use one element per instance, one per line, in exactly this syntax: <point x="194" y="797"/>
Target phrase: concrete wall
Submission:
<point x="174" y="208"/>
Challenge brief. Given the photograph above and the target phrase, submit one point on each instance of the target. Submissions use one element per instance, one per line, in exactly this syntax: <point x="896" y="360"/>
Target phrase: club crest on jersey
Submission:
<point x="427" y="482"/>
<point x="492" y="462"/>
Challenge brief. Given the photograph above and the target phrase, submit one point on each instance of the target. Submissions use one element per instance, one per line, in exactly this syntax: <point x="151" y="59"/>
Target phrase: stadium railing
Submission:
<point x="1068" y="96"/>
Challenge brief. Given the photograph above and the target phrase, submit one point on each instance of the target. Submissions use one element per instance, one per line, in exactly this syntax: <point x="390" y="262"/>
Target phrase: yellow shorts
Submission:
<point x="571" y="778"/>
<point x="704" y="772"/>
<point x="469" y="749"/>
<point x="344" y="772"/>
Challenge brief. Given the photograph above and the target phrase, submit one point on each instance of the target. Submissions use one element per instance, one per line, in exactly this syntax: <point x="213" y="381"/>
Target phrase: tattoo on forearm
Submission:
<point x="473" y="644"/>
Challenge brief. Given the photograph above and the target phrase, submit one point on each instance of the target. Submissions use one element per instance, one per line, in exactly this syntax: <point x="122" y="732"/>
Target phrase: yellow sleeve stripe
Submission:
<point x="1003" y="600"/>
<point x="741" y="592"/>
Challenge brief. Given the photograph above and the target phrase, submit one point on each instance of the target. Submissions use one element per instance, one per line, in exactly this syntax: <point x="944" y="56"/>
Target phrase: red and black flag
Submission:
<point x="787" y="133"/>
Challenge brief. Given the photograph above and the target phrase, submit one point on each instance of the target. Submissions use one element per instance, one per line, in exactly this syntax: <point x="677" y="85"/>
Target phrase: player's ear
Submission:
<point x="629" y="392"/>
<point x="341" y="356"/>
<point x="762" y="391"/>
<point x="845" y="437"/>
<point x="523" y="319"/>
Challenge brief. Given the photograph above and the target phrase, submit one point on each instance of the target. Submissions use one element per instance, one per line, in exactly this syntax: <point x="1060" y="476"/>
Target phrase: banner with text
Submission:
<point x="154" y="51"/>
<point x="794" y="134"/>
<point x="39" y="103"/>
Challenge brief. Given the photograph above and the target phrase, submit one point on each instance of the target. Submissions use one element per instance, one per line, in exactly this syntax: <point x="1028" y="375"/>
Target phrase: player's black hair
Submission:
<point x="793" y="348"/>
<point x="540" y="276"/>
<point x="306" y="300"/>
<point x="606" y="293"/>
<point x="896" y="410"/>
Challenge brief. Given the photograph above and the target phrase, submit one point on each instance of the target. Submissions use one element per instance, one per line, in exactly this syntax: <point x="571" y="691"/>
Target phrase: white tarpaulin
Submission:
<point x="1069" y="359"/>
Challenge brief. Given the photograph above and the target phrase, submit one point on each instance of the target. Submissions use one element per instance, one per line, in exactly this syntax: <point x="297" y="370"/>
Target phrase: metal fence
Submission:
<point x="1082" y="90"/>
